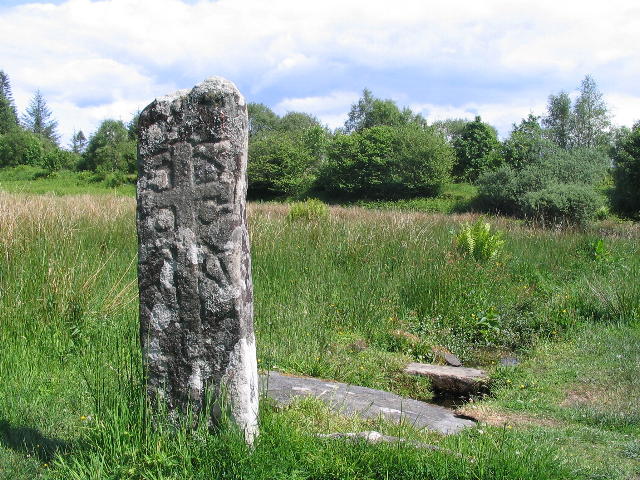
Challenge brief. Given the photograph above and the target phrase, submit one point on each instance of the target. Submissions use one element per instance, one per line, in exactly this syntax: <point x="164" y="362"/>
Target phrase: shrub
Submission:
<point x="626" y="173"/>
<point x="280" y="164"/>
<point x="386" y="162"/>
<point x="566" y="203"/>
<point x="309" y="210"/>
<point x="478" y="242"/>
<point x="110" y="149"/>
<point x="560" y="187"/>
<point x="19" y="147"/>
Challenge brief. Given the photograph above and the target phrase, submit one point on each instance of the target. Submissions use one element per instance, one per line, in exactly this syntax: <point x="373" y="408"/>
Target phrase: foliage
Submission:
<point x="566" y="203"/>
<point x="583" y="125"/>
<point x="38" y="119"/>
<point x="560" y="186"/>
<point x="626" y="172"/>
<point x="558" y="121"/>
<point x="284" y="152"/>
<point x="526" y="143"/>
<point x="284" y="163"/>
<point x="8" y="112"/>
<point x="309" y="210"/>
<point x="20" y="147"/>
<point x="78" y="142"/>
<point x="261" y="119"/>
<point x="477" y="150"/>
<point x="387" y="162"/>
<point x="478" y="242"/>
<point x="110" y="149"/>
<point x="370" y="111"/>
<point x="451" y="128"/>
<point x="590" y="117"/>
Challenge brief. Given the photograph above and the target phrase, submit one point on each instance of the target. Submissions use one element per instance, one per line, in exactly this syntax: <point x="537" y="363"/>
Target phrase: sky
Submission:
<point x="94" y="60"/>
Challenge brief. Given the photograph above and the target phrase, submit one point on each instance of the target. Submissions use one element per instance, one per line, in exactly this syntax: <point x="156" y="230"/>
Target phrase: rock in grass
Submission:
<point x="363" y="401"/>
<point x="194" y="270"/>
<point x="444" y="378"/>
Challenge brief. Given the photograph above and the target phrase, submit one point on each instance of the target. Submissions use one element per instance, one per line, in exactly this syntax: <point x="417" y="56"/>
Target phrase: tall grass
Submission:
<point x="71" y="396"/>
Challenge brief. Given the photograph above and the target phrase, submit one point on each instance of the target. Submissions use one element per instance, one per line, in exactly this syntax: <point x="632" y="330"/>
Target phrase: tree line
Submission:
<point x="560" y="166"/>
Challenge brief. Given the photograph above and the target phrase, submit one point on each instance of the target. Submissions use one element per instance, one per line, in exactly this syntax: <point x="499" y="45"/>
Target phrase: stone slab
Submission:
<point x="460" y="380"/>
<point x="363" y="401"/>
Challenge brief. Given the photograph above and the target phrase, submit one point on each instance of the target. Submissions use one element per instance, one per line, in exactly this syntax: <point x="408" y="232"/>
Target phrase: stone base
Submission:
<point x="366" y="402"/>
<point x="457" y="380"/>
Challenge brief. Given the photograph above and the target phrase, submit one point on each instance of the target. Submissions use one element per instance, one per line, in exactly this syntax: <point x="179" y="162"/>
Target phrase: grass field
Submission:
<point x="334" y="299"/>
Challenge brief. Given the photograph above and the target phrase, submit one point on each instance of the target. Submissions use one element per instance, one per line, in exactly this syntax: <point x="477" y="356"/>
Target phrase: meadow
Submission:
<point x="351" y="297"/>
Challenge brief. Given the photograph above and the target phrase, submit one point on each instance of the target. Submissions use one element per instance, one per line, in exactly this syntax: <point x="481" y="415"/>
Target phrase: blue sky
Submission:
<point x="500" y="59"/>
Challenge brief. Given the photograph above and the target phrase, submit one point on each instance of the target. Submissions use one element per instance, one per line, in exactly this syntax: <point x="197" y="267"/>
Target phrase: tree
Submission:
<point x="110" y="150"/>
<point x="370" y="111"/>
<point x="525" y="144"/>
<point x="8" y="112"/>
<point x="626" y="172"/>
<point x="558" y="121"/>
<point x="261" y="119"/>
<point x="296" y="122"/>
<point x="590" y="117"/>
<point x="78" y="142"/>
<point x="585" y="124"/>
<point x="37" y="119"/>
<point x="477" y="150"/>
<point x="451" y="128"/>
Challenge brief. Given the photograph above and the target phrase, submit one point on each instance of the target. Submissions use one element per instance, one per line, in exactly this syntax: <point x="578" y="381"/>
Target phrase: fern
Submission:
<point x="478" y="242"/>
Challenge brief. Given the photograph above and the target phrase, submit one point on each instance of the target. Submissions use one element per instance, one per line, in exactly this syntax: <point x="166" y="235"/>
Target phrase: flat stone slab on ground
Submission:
<point x="460" y="380"/>
<point x="367" y="402"/>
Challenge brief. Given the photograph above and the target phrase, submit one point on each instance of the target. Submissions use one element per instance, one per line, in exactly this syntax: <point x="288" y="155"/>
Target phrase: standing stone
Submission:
<point x="194" y="268"/>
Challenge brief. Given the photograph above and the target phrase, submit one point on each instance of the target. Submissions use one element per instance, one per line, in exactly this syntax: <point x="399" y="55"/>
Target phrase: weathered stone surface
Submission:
<point x="196" y="306"/>
<point x="460" y="380"/>
<point x="452" y="360"/>
<point x="363" y="401"/>
<point x="446" y="356"/>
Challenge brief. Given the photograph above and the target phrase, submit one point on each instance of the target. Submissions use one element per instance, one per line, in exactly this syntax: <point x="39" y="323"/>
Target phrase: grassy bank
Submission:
<point x="334" y="299"/>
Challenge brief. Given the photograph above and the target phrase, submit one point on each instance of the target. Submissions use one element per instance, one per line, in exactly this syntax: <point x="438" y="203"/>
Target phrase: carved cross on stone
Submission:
<point x="194" y="269"/>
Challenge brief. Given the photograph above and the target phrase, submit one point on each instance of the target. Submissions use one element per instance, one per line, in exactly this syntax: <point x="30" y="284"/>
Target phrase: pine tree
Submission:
<point x="8" y="112"/>
<point x="37" y="119"/>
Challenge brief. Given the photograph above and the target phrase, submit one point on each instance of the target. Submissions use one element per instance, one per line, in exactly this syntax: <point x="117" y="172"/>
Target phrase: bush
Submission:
<point x="478" y="242"/>
<point x="110" y="149"/>
<point x="387" y="163"/>
<point x="19" y="147"/>
<point x="309" y="210"/>
<point x="566" y="203"/>
<point x="280" y="164"/>
<point x="558" y="187"/>
<point x="626" y="173"/>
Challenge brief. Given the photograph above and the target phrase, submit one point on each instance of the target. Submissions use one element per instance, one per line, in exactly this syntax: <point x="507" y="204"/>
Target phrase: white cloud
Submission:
<point x="500" y="115"/>
<point x="331" y="109"/>
<point x="118" y="53"/>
